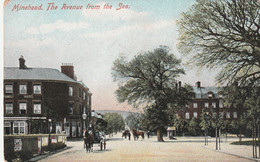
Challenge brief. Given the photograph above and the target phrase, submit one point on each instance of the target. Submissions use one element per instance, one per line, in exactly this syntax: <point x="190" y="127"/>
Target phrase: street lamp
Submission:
<point x="206" y="127"/>
<point x="84" y="116"/>
<point x="50" y="129"/>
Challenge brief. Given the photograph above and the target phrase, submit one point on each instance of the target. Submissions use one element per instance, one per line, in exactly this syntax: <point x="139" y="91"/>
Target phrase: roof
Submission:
<point x="35" y="74"/>
<point x="202" y="91"/>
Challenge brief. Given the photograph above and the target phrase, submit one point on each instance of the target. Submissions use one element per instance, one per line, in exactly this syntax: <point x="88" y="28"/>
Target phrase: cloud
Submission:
<point x="113" y="14"/>
<point x="58" y="25"/>
<point x="149" y="27"/>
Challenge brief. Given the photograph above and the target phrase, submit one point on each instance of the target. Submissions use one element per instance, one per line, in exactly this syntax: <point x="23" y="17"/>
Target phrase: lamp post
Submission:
<point x="50" y="129"/>
<point x="84" y="116"/>
<point x="206" y="126"/>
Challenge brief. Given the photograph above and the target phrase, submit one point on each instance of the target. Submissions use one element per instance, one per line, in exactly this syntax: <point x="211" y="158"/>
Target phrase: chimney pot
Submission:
<point x="68" y="69"/>
<point x="198" y="84"/>
<point x="22" y="63"/>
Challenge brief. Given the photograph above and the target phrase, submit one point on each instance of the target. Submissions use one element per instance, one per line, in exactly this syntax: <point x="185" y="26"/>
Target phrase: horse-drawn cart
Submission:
<point x="94" y="138"/>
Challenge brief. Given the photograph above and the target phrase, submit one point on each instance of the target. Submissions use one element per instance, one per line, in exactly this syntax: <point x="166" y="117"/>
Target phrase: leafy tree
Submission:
<point x="223" y="34"/>
<point x="193" y="127"/>
<point x="115" y="122"/>
<point x="133" y="120"/>
<point x="148" y="79"/>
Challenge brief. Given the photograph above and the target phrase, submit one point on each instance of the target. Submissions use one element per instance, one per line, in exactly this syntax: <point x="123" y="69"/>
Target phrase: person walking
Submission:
<point x="129" y="136"/>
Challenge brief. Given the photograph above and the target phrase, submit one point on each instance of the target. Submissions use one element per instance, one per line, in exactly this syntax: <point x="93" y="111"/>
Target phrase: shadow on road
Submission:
<point x="114" y="139"/>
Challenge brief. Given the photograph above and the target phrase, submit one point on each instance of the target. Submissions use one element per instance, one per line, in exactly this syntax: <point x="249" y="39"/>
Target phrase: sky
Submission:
<point x="92" y="39"/>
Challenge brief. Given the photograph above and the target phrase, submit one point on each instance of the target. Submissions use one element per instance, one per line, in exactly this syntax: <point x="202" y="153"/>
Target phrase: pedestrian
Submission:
<point x="148" y="134"/>
<point x="129" y="136"/>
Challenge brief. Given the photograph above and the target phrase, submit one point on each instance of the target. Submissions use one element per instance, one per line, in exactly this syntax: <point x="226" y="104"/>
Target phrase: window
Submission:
<point x="214" y="104"/>
<point x="37" y="108"/>
<point x="70" y="91"/>
<point x="23" y="89"/>
<point x="187" y="115"/>
<point x="7" y="128"/>
<point x="8" y="88"/>
<point x="19" y="128"/>
<point x="67" y="129"/>
<point x="228" y="115"/>
<point x="71" y="108"/>
<point x="80" y="108"/>
<point x="22" y="108"/>
<point x="195" y="105"/>
<point x="79" y="128"/>
<point x="74" y="128"/>
<point x="37" y="89"/>
<point x="84" y="110"/>
<point x="221" y="114"/>
<point x="210" y="95"/>
<point x="9" y="108"/>
<point x="235" y="115"/>
<point x="220" y="104"/>
<point x="206" y="104"/>
<point x="195" y="115"/>
<point x="84" y="95"/>
<point x="58" y="128"/>
<point x="80" y="92"/>
<point x="220" y="96"/>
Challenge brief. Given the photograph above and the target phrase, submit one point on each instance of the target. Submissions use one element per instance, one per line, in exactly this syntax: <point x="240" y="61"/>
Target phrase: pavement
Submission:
<point x="182" y="149"/>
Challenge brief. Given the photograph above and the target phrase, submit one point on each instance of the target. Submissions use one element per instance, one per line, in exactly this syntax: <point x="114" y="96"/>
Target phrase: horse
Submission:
<point x="88" y="141"/>
<point x="125" y="133"/>
<point x="136" y="134"/>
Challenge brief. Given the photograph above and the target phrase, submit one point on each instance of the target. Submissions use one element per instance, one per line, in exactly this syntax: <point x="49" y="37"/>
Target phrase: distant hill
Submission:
<point x="123" y="113"/>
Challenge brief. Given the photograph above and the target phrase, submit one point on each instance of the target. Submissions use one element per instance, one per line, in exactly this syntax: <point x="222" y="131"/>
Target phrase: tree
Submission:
<point x="115" y="122"/>
<point x="150" y="79"/>
<point x="133" y="120"/>
<point x="223" y="34"/>
<point x="226" y="34"/>
<point x="193" y="127"/>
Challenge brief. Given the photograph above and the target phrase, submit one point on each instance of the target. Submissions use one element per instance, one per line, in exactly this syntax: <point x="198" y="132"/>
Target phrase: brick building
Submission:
<point x="210" y="99"/>
<point x="40" y="100"/>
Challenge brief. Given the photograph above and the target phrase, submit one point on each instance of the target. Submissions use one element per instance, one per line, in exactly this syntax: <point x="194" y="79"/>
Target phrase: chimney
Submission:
<point x="22" y="63"/>
<point x="198" y="84"/>
<point x="68" y="69"/>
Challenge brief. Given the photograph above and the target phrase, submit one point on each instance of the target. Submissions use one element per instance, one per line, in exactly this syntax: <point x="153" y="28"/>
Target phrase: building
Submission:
<point x="210" y="99"/>
<point x="43" y="100"/>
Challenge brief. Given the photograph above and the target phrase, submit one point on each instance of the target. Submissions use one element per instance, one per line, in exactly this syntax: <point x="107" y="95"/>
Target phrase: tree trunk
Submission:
<point x="159" y="136"/>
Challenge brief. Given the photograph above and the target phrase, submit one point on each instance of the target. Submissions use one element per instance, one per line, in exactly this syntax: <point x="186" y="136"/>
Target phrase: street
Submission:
<point x="118" y="149"/>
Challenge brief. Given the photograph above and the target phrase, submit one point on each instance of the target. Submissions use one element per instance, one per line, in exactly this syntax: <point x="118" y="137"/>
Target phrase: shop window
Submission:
<point x="74" y="129"/>
<point x="58" y="128"/>
<point x="67" y="129"/>
<point x="37" y="89"/>
<point x="8" y="88"/>
<point x="37" y="108"/>
<point x="79" y="128"/>
<point x="22" y="108"/>
<point x="23" y="89"/>
<point x="9" y="108"/>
